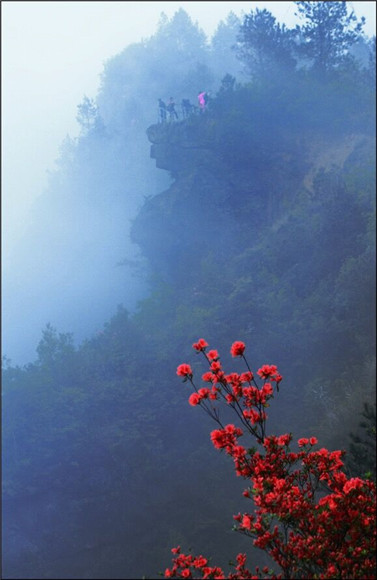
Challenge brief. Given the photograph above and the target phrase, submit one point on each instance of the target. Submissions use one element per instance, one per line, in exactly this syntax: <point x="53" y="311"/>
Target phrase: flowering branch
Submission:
<point x="308" y="516"/>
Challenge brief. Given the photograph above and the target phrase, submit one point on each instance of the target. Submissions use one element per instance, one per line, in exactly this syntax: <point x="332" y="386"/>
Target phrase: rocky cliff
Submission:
<point x="226" y="193"/>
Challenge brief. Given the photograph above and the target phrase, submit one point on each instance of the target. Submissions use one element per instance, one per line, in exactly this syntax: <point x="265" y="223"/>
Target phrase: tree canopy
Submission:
<point x="327" y="33"/>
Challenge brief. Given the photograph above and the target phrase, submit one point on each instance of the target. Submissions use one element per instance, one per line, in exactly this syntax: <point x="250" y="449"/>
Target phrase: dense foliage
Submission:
<point x="362" y="448"/>
<point x="266" y="232"/>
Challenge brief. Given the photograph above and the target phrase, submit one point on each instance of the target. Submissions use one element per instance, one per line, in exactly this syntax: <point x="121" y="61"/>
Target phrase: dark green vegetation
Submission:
<point x="266" y="235"/>
<point x="362" y="449"/>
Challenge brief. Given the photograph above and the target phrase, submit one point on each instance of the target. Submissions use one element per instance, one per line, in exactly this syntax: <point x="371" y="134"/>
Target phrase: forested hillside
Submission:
<point x="253" y="220"/>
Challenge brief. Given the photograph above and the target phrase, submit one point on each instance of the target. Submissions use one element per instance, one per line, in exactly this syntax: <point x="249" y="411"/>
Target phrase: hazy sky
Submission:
<point x="53" y="54"/>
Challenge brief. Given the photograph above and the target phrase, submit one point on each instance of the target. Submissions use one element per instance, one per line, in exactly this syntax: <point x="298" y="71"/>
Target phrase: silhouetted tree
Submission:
<point x="180" y="35"/>
<point x="223" y="49"/>
<point x="227" y="83"/>
<point x="265" y="46"/>
<point x="328" y="32"/>
<point x="87" y="116"/>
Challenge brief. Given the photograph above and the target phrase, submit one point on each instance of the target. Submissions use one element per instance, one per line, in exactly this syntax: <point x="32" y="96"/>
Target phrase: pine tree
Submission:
<point x="328" y="33"/>
<point x="264" y="46"/>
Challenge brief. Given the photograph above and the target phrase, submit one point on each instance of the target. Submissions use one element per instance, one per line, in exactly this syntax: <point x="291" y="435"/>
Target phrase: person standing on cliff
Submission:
<point x="186" y="108"/>
<point x="202" y="101"/>
<point x="162" y="110"/>
<point x="171" y="109"/>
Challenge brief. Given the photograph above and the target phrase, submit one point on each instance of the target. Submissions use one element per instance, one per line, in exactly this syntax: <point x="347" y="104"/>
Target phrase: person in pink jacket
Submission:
<point x="202" y="101"/>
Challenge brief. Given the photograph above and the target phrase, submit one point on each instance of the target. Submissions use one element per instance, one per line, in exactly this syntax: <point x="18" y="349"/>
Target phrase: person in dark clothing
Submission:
<point x="162" y="111"/>
<point x="171" y="110"/>
<point x="187" y="108"/>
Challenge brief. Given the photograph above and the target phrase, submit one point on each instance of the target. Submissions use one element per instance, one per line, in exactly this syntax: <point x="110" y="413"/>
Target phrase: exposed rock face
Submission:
<point x="224" y="197"/>
<point x="192" y="213"/>
<point x="180" y="146"/>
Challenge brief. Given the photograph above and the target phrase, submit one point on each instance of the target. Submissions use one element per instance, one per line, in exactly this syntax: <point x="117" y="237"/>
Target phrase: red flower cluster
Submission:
<point x="237" y="348"/>
<point x="270" y="372"/>
<point x="184" y="370"/>
<point x="184" y="566"/>
<point x="200" y="345"/>
<point x="309" y="517"/>
<point x="226" y="438"/>
<point x="195" y="398"/>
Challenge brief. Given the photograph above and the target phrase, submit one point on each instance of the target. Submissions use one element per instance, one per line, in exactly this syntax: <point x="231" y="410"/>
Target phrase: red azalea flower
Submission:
<point x="217" y="438"/>
<point x="203" y="393"/>
<point x="215" y="366"/>
<point x="241" y="559"/>
<point x="200" y="345"/>
<point x="184" y="370"/>
<point x="194" y="399"/>
<point x="200" y="562"/>
<point x="267" y="389"/>
<point x="267" y="371"/>
<point x="353" y="483"/>
<point x="246" y="522"/>
<point x="237" y="348"/>
<point x="284" y="439"/>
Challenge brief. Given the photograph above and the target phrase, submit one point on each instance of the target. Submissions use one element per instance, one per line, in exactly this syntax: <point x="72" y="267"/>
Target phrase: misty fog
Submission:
<point x="78" y="230"/>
